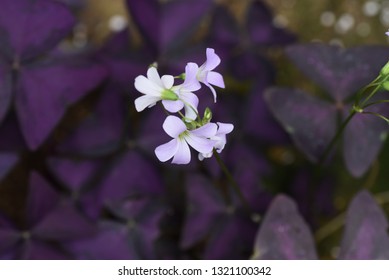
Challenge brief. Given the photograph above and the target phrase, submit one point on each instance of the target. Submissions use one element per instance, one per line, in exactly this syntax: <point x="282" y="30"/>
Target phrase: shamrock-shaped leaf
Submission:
<point x="283" y="234"/>
<point x="366" y="232"/>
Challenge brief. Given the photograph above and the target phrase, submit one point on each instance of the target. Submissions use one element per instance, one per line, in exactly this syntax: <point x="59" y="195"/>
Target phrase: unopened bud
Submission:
<point x="207" y="116"/>
<point x="385" y="69"/>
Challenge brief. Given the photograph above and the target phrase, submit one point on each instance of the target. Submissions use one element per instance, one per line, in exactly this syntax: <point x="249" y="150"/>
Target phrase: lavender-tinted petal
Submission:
<point x="200" y="144"/>
<point x="365" y="236"/>
<point x="191" y="83"/>
<point x="260" y="27"/>
<point x="208" y="130"/>
<point x="341" y="72"/>
<point x="41" y="199"/>
<point x="173" y="126"/>
<point x="283" y="234"/>
<point x="224" y="128"/>
<point x="182" y="155"/>
<point x="147" y="86"/>
<point x="47" y="89"/>
<point x="167" y="151"/>
<point x="173" y="106"/>
<point x="311" y="122"/>
<point x="213" y="60"/>
<point x="215" y="79"/>
<point x="31" y="28"/>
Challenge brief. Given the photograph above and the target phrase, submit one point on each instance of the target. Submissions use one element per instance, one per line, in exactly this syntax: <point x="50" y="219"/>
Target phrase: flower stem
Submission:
<point x="336" y="137"/>
<point x="232" y="182"/>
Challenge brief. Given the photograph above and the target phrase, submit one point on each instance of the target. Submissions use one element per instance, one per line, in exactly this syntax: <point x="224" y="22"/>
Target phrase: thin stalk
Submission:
<point x="232" y="182"/>
<point x="336" y="138"/>
<point x="375" y="103"/>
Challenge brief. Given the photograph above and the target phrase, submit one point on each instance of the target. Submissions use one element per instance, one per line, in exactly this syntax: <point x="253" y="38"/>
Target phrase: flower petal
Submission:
<point x="225" y="128"/>
<point x="145" y="101"/>
<point x="213" y="91"/>
<point x="173" y="126"/>
<point x="146" y="86"/>
<point x="215" y="79"/>
<point x="191" y="102"/>
<point x="182" y="155"/>
<point x="152" y="75"/>
<point x="167" y="81"/>
<point x="191" y="83"/>
<point x="208" y="130"/>
<point x="173" y="106"/>
<point x="213" y="60"/>
<point x="200" y="144"/>
<point x="167" y="151"/>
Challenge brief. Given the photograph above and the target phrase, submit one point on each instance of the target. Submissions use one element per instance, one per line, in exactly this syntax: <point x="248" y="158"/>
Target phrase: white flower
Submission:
<point x="178" y="148"/>
<point x="219" y="138"/>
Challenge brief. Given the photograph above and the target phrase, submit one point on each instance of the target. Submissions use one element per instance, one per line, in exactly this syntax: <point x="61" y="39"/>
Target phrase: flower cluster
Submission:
<point x="190" y="129"/>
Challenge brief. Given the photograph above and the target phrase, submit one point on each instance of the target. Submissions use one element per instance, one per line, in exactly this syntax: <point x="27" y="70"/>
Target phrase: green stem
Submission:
<point x="375" y="103"/>
<point x="377" y="115"/>
<point x="232" y="182"/>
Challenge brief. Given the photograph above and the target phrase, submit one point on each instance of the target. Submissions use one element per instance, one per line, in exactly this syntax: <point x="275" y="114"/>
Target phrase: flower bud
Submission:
<point x="385" y="69"/>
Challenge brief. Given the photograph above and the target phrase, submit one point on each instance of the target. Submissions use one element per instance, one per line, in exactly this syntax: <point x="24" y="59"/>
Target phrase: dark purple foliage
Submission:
<point x="366" y="232"/>
<point x="283" y="234"/>
<point x="312" y="122"/>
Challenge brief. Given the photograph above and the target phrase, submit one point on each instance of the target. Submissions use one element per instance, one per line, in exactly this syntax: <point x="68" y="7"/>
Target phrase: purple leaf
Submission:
<point x="165" y="26"/>
<point x="261" y="29"/>
<point x="41" y="199"/>
<point x="283" y="234"/>
<point x="131" y="175"/>
<point x="341" y="72"/>
<point x="366" y="230"/>
<point x="31" y="28"/>
<point x="362" y="141"/>
<point x="74" y="174"/>
<point x="8" y="235"/>
<point x="5" y="90"/>
<point x="7" y="162"/>
<point x="224" y="32"/>
<point x="310" y="121"/>
<point x="38" y="250"/>
<point x="45" y="91"/>
<point x="63" y="223"/>
<point x="101" y="132"/>
<point x="204" y="208"/>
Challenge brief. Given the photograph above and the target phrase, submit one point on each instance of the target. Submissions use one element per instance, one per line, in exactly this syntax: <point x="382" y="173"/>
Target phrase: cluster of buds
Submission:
<point x="189" y="129"/>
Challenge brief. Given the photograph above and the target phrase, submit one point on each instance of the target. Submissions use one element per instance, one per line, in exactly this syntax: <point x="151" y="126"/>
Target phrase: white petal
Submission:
<point x="224" y="128"/>
<point x="215" y="79"/>
<point x="207" y="131"/>
<point x="166" y="151"/>
<point x="182" y="155"/>
<point x="152" y="75"/>
<point x="191" y="102"/>
<point x="213" y="91"/>
<point x="145" y="86"/>
<point x="167" y="81"/>
<point x="173" y="126"/>
<point x="173" y="106"/>
<point x="145" y="101"/>
<point x="202" y="145"/>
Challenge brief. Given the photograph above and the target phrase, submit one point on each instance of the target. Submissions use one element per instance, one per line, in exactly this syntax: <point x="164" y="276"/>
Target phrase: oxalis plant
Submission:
<point x="283" y="233"/>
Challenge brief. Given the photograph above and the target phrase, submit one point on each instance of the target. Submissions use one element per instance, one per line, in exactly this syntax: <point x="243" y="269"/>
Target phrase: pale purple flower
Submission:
<point x="219" y="138"/>
<point x="387" y="33"/>
<point x="187" y="99"/>
<point x="209" y="77"/>
<point x="178" y="148"/>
